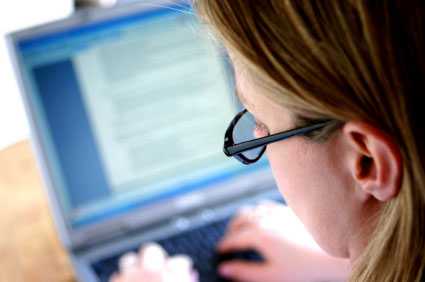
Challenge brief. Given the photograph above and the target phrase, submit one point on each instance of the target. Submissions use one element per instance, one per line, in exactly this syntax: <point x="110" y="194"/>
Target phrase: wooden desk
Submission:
<point x="29" y="247"/>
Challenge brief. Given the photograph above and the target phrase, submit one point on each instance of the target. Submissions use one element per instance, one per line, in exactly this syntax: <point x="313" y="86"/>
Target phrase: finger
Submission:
<point x="242" y="271"/>
<point x="152" y="257"/>
<point x="179" y="262"/>
<point x="240" y="240"/>
<point x="179" y="268"/>
<point x="265" y="208"/>
<point x="194" y="276"/>
<point x="128" y="262"/>
<point x="252" y="215"/>
<point x="243" y="218"/>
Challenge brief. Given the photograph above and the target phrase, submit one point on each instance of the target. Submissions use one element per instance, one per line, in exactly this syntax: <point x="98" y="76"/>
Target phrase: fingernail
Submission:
<point x="152" y="256"/>
<point x="224" y="270"/>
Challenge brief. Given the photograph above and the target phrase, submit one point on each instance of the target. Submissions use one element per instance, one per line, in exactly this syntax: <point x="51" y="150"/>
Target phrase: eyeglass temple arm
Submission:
<point x="252" y="144"/>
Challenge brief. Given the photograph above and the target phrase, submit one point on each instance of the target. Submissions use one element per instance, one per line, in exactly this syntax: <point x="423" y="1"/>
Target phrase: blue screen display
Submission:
<point x="131" y="111"/>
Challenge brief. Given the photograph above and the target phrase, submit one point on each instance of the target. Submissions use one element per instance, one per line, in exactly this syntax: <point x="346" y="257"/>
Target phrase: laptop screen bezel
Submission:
<point x="71" y="237"/>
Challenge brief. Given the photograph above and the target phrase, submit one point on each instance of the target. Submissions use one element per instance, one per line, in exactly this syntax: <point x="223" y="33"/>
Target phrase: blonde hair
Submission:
<point x="346" y="60"/>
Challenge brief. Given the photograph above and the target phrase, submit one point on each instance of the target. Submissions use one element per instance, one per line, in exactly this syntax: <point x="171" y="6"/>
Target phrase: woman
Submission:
<point x="357" y="68"/>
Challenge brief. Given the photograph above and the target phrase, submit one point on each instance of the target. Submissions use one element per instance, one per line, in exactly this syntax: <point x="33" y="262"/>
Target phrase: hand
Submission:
<point x="153" y="265"/>
<point x="289" y="251"/>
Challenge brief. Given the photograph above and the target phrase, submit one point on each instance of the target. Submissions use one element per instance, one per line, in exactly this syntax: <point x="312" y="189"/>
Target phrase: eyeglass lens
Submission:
<point x="243" y="131"/>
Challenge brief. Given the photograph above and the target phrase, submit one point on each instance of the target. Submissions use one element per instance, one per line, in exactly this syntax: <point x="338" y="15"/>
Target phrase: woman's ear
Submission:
<point x="376" y="162"/>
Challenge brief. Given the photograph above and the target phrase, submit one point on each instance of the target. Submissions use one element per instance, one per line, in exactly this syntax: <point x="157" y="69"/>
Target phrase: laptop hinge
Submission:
<point x="179" y="222"/>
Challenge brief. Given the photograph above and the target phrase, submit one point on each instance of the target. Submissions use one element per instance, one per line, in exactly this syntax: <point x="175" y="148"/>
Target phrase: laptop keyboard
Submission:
<point x="198" y="243"/>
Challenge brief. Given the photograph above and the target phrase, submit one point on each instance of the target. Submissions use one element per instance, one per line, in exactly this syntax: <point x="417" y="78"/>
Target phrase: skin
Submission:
<point x="336" y="190"/>
<point x="309" y="189"/>
<point x="337" y="199"/>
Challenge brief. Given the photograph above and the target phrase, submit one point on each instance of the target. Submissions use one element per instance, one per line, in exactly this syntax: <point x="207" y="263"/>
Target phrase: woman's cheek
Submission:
<point x="280" y="174"/>
<point x="290" y="176"/>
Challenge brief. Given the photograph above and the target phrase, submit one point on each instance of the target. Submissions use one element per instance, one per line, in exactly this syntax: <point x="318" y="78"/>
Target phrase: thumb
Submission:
<point x="243" y="271"/>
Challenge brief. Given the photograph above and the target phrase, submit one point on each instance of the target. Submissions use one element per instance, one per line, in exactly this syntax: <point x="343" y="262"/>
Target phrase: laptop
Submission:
<point x="128" y="107"/>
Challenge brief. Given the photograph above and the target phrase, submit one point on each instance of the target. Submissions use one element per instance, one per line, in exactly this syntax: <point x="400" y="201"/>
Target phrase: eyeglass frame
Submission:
<point x="231" y="149"/>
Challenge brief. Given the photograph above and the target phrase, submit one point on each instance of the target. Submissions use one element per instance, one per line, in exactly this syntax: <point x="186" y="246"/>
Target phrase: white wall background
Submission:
<point x="14" y="15"/>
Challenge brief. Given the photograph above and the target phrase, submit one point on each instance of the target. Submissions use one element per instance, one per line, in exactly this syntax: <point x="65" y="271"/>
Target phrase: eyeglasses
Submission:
<point x="240" y="140"/>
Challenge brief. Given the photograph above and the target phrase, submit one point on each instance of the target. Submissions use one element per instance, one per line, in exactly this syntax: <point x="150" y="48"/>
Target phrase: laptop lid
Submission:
<point x="128" y="109"/>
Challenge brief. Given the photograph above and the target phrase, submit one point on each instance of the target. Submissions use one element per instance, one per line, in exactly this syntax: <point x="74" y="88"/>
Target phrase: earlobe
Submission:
<point x="376" y="160"/>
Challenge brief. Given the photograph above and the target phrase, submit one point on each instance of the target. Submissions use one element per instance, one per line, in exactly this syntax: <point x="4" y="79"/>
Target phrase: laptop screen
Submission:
<point x="130" y="111"/>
